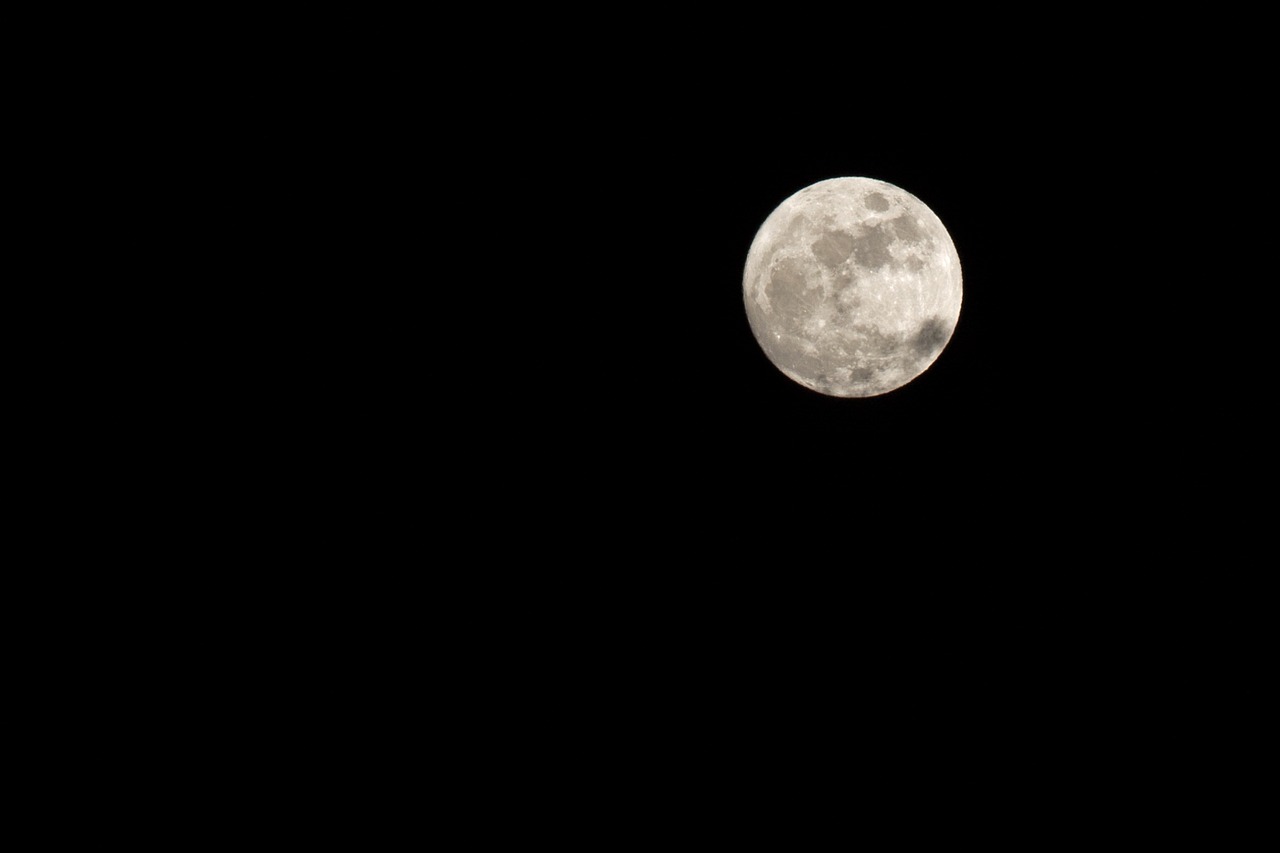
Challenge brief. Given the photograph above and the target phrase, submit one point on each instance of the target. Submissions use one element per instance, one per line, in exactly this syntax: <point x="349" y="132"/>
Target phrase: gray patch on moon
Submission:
<point x="905" y="227"/>
<point x="877" y="202"/>
<point x="794" y="227"/>
<point x="930" y="338"/>
<point x="871" y="248"/>
<point x="787" y="275"/>
<point x="788" y="295"/>
<point x="833" y="248"/>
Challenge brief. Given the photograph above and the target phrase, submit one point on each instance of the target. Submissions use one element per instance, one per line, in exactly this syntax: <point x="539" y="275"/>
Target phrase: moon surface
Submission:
<point x="852" y="287"/>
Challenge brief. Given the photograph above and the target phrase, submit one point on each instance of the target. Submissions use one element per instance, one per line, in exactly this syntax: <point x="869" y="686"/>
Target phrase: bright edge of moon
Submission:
<point x="852" y="287"/>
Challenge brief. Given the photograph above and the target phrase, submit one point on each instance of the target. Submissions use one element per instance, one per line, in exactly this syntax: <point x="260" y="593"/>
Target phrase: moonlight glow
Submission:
<point x="852" y="287"/>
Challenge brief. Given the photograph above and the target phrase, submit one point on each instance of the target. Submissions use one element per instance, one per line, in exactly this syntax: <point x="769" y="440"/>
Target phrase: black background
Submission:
<point x="502" y="437"/>
<point x="1050" y="512"/>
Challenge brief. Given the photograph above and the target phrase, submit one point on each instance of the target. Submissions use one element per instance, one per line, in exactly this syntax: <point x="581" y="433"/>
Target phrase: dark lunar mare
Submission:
<point x="930" y="337"/>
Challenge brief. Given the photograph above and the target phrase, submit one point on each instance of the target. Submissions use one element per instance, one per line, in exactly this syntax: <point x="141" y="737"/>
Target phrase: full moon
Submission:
<point x="852" y="287"/>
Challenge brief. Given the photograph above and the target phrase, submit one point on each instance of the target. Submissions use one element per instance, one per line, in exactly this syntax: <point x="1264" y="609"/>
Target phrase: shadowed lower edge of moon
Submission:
<point x="886" y="361"/>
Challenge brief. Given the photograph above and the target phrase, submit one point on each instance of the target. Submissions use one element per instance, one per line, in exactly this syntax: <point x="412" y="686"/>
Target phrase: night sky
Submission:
<point x="1049" y="506"/>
